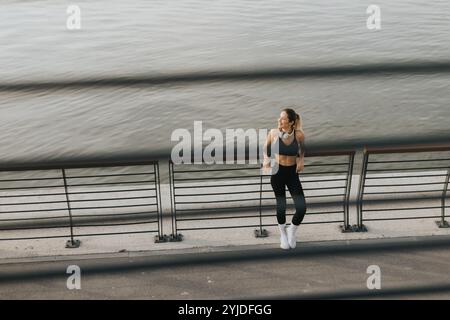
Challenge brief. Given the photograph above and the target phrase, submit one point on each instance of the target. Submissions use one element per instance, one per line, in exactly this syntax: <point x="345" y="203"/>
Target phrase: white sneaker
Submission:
<point x="291" y="231"/>
<point x="284" y="244"/>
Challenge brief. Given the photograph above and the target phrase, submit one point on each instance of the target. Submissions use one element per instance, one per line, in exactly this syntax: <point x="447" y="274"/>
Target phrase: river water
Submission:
<point x="137" y="37"/>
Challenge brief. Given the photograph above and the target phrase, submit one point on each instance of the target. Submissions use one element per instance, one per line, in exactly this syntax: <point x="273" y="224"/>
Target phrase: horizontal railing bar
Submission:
<point x="317" y="213"/>
<point x="309" y="189"/>
<point x="26" y="188"/>
<point x="112" y="207"/>
<point x="256" y="215"/>
<point x="36" y="210"/>
<point x="79" y="235"/>
<point x="34" y="238"/>
<point x="250" y="199"/>
<point x="252" y="226"/>
<point x="252" y="74"/>
<point x="35" y="228"/>
<point x="324" y="180"/>
<point x="248" y="184"/>
<point x="114" y="224"/>
<point x="31" y="179"/>
<point x="217" y="193"/>
<point x="401" y="161"/>
<point x="113" y="214"/>
<point x="30" y="219"/>
<point x="436" y="142"/>
<point x="345" y="151"/>
<point x="254" y="207"/>
<point x="397" y="209"/>
<point x="93" y="162"/>
<point x="326" y="164"/>
<point x="395" y="192"/>
<point x="324" y="188"/>
<point x="28" y="203"/>
<point x="82" y="216"/>
<point x="109" y="183"/>
<point x="217" y="178"/>
<point x="65" y="201"/>
<point x="322" y="222"/>
<point x="113" y="199"/>
<point x="406" y="177"/>
<point x="111" y="175"/>
<point x="113" y="233"/>
<point x="213" y="170"/>
<point x="76" y="177"/>
<point x="218" y="218"/>
<point x="305" y="222"/>
<point x="416" y="292"/>
<point x="416" y="147"/>
<point x="219" y="201"/>
<point x="251" y="168"/>
<point x="33" y="195"/>
<point x="220" y="209"/>
<point x="325" y="195"/>
<point x="248" y="191"/>
<point x="405" y="169"/>
<point x="403" y="184"/>
<point x="268" y="183"/>
<point x="327" y="172"/>
<point x="217" y="186"/>
<point x="402" y="218"/>
<point x="223" y="227"/>
<point x="215" y="201"/>
<point x="111" y="191"/>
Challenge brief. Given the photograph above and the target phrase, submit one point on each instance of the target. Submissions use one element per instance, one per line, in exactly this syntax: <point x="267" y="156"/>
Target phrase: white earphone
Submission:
<point x="284" y="135"/>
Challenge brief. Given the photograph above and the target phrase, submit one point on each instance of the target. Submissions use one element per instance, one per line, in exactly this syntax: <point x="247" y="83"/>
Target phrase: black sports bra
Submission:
<point x="286" y="150"/>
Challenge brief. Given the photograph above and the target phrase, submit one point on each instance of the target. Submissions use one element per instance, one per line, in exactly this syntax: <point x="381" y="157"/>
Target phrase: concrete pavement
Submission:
<point x="314" y="269"/>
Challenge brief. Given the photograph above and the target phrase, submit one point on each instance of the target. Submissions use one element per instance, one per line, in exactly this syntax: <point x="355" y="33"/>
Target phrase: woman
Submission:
<point x="287" y="144"/>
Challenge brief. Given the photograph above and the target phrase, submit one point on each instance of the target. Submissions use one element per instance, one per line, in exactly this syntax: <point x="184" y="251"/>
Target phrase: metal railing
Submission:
<point x="409" y="179"/>
<point x="203" y="194"/>
<point x="70" y="199"/>
<point x="123" y="196"/>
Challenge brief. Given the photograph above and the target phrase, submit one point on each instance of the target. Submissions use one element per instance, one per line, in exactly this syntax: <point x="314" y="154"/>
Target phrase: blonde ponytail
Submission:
<point x="298" y="123"/>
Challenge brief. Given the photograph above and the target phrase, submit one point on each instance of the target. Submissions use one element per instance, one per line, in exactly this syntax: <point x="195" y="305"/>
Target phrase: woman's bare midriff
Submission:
<point x="286" y="160"/>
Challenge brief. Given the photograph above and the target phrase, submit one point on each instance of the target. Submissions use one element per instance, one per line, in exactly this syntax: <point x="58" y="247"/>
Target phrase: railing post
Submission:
<point x="360" y="227"/>
<point x="174" y="236"/>
<point x="443" y="223"/>
<point x="346" y="227"/>
<point x="160" y="237"/>
<point x="72" y="243"/>
<point x="261" y="233"/>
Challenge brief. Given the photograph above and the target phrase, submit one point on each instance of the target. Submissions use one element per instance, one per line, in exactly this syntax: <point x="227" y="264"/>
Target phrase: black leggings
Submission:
<point x="287" y="176"/>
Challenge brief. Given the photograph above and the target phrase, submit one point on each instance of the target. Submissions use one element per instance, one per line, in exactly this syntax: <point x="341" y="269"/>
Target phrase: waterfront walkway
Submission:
<point x="412" y="255"/>
<point x="410" y="268"/>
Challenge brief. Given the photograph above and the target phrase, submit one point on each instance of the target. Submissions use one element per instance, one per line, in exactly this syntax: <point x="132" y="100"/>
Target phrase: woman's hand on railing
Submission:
<point x="266" y="167"/>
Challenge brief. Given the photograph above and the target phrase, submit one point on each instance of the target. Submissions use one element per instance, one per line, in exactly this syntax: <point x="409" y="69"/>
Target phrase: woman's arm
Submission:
<point x="300" y="136"/>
